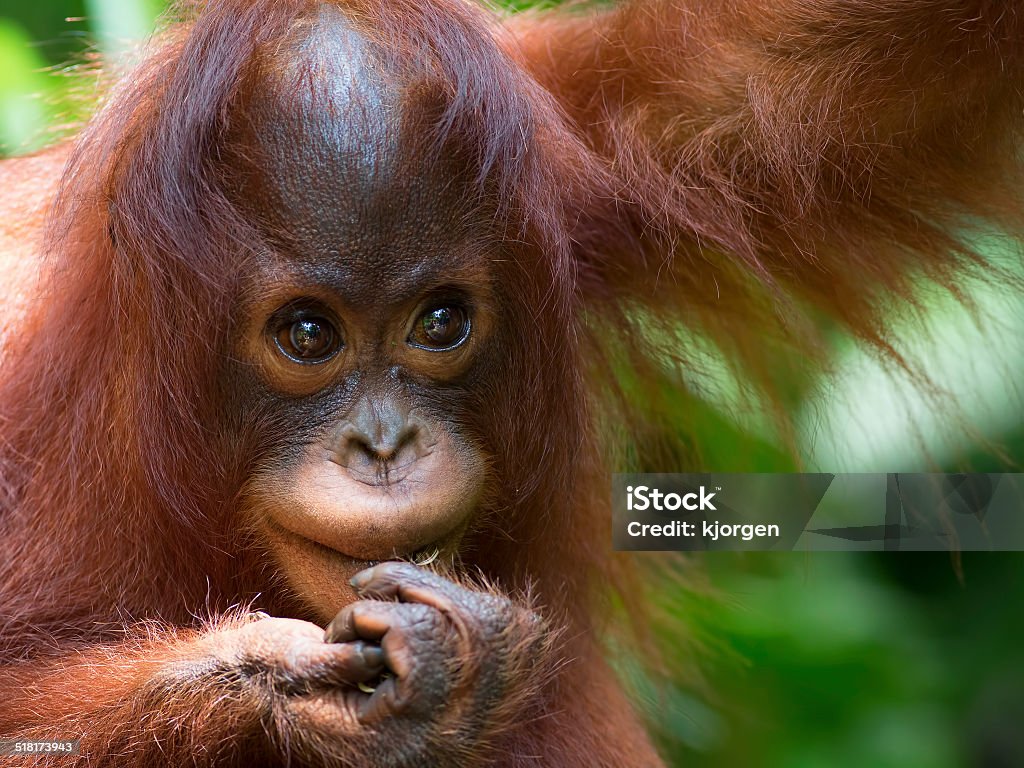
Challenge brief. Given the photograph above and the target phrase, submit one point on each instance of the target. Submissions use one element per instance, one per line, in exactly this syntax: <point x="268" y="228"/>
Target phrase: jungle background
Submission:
<point x="801" y="660"/>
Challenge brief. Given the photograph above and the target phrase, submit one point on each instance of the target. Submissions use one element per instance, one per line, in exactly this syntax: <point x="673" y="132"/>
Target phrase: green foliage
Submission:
<point x="840" y="659"/>
<point x="119" y="24"/>
<point x="41" y="44"/>
<point x="22" y="111"/>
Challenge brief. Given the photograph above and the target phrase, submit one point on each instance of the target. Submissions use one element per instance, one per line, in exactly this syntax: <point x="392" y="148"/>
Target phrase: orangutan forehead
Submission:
<point x="331" y="164"/>
<point x="328" y="120"/>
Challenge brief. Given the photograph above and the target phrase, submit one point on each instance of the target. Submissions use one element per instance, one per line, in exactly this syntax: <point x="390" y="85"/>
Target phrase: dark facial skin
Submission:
<point x="368" y="322"/>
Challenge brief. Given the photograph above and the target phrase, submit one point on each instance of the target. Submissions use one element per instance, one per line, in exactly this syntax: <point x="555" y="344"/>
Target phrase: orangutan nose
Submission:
<point x="379" y="431"/>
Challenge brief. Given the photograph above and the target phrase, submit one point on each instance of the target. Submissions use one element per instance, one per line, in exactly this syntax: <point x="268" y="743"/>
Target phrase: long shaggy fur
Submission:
<point x="745" y="169"/>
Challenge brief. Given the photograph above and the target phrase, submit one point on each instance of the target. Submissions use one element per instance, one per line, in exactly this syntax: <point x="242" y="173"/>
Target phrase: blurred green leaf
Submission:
<point x="23" y="116"/>
<point x="120" y="24"/>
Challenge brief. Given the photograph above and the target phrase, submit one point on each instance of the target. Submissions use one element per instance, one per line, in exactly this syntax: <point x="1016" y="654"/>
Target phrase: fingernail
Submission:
<point x="361" y="579"/>
<point x="373" y="656"/>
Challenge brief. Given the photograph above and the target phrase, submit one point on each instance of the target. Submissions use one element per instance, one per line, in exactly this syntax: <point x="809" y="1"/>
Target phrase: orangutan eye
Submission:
<point x="308" y="339"/>
<point x="441" y="328"/>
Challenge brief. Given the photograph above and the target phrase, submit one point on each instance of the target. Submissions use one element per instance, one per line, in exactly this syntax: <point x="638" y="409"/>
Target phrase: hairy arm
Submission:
<point x="157" y="698"/>
<point x="420" y="672"/>
<point x="825" y="150"/>
<point x="27" y="188"/>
